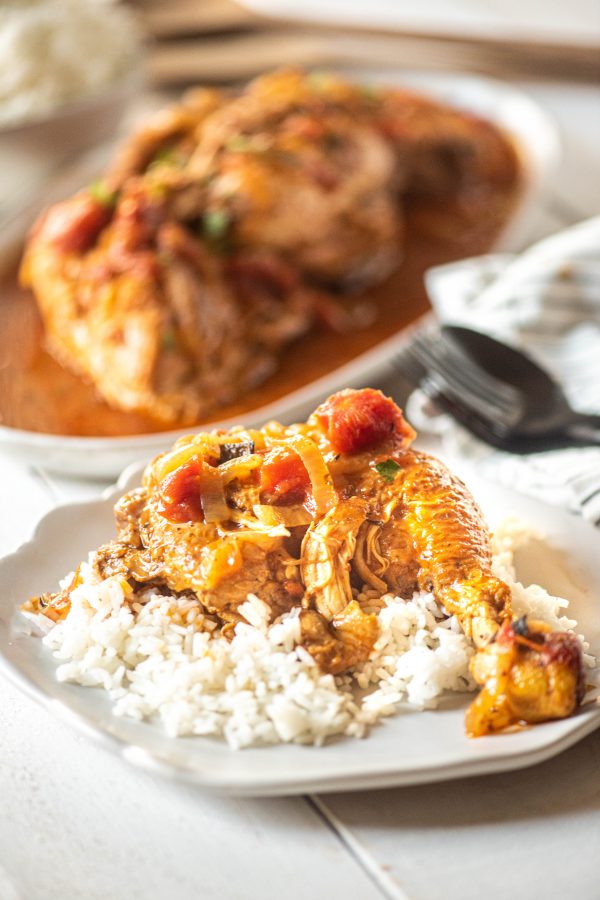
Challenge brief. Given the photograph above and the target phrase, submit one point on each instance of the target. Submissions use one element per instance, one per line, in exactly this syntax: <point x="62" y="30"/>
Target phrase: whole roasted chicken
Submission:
<point x="228" y="225"/>
<point x="312" y="514"/>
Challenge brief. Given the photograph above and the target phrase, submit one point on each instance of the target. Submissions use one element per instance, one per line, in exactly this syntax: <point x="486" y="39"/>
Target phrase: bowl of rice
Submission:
<point x="69" y="70"/>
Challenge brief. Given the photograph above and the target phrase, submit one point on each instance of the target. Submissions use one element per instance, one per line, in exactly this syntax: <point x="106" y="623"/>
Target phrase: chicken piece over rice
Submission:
<point x="314" y="516"/>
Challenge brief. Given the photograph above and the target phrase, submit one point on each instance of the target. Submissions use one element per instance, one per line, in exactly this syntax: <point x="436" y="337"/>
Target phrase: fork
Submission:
<point x="523" y="417"/>
<point x="447" y="369"/>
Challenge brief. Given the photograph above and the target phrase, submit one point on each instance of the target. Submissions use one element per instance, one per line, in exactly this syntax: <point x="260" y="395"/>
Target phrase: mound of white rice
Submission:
<point x="152" y="657"/>
<point x="55" y="51"/>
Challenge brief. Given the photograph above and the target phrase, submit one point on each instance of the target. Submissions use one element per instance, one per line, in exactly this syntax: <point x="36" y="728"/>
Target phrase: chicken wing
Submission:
<point x="527" y="674"/>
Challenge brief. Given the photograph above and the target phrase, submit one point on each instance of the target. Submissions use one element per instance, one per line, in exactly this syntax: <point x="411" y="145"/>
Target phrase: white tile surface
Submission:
<point x="75" y="822"/>
<point x="531" y="834"/>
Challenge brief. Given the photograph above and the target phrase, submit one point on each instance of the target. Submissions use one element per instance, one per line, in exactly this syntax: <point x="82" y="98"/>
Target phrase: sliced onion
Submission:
<point x="239" y="467"/>
<point x="250" y="434"/>
<point x="204" y="445"/>
<point x="212" y="495"/>
<point x="266" y="540"/>
<point x="290" y="516"/>
<point x="324" y="493"/>
<point x="256" y="526"/>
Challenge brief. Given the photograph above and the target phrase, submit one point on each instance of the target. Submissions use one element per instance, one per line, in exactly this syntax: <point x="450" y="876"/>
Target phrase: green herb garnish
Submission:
<point x="215" y="223"/>
<point x="102" y="194"/>
<point x="168" y="340"/>
<point x="388" y="469"/>
<point x="239" y="143"/>
<point x="166" y="156"/>
<point x="369" y="91"/>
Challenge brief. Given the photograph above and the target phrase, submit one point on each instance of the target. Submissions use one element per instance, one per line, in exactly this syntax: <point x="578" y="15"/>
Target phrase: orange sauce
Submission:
<point x="37" y="394"/>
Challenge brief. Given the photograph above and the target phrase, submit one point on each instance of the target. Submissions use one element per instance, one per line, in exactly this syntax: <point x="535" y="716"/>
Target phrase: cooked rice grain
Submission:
<point x="147" y="651"/>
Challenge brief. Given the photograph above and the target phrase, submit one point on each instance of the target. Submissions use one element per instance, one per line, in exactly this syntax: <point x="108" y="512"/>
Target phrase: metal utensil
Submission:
<point x="498" y="393"/>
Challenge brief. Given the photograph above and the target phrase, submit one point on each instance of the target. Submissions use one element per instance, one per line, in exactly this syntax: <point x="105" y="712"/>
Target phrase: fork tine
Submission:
<point x="481" y="428"/>
<point x="435" y="388"/>
<point x="469" y="383"/>
<point x="422" y="367"/>
<point x="426" y="365"/>
<point x="476" y="425"/>
<point x="456" y="365"/>
<point x="474" y="413"/>
<point x="433" y="383"/>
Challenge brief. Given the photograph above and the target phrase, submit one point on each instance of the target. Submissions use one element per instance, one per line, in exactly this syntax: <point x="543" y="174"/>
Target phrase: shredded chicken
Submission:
<point x="316" y="516"/>
<point x="327" y="551"/>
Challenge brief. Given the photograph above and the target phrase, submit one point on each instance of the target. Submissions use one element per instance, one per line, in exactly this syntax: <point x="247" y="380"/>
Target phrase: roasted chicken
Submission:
<point x="313" y="515"/>
<point x="228" y="225"/>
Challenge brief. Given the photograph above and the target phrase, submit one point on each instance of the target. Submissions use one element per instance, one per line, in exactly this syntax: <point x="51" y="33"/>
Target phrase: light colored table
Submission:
<point x="77" y="823"/>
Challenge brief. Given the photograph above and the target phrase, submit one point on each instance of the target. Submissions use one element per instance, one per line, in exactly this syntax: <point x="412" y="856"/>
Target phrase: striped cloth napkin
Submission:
<point x="545" y="301"/>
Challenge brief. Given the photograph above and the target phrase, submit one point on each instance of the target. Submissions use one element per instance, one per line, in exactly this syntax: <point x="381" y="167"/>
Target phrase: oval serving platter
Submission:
<point x="103" y="457"/>
<point x="411" y="747"/>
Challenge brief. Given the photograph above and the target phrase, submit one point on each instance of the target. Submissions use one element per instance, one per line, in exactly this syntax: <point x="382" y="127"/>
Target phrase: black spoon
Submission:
<point x="543" y="419"/>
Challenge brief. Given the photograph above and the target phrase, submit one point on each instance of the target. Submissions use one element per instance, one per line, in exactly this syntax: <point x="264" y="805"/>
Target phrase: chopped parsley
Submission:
<point x="215" y="226"/>
<point x="101" y="194"/>
<point x="369" y="91"/>
<point x="215" y="223"/>
<point x="388" y="469"/>
<point x="166" y="156"/>
<point x="168" y="340"/>
<point x="239" y="143"/>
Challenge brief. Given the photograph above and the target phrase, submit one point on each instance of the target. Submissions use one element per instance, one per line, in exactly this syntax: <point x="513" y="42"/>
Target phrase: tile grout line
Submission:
<point x="384" y="883"/>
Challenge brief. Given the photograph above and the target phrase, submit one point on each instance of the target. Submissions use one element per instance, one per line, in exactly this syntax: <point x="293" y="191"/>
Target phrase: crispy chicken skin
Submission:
<point x="312" y="515"/>
<point x="527" y="674"/>
<point x="227" y="226"/>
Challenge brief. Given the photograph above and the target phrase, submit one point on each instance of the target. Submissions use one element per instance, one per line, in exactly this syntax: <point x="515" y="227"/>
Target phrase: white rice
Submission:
<point x="55" y="51"/>
<point x="157" y="660"/>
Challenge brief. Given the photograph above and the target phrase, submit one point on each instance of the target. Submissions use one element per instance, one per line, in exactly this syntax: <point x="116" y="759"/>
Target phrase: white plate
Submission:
<point x="410" y="748"/>
<point x="573" y="24"/>
<point x="535" y="134"/>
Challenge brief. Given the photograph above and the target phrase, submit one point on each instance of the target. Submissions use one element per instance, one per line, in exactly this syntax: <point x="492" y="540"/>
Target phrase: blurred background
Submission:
<point x="74" y="71"/>
<point x="223" y="40"/>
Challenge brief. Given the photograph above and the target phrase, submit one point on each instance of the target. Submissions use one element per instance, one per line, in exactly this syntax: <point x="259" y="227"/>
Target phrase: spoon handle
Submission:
<point x="585" y="427"/>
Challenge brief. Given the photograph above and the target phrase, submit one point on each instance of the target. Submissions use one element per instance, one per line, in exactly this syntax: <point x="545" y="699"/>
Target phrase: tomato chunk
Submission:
<point x="180" y="497"/>
<point x="359" y="420"/>
<point x="257" y="274"/>
<point x="74" y="226"/>
<point x="283" y="478"/>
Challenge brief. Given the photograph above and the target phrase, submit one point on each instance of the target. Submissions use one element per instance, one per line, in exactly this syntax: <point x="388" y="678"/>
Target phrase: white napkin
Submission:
<point x="545" y="301"/>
